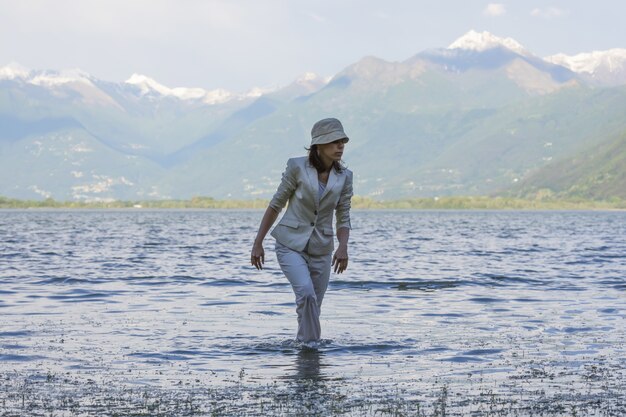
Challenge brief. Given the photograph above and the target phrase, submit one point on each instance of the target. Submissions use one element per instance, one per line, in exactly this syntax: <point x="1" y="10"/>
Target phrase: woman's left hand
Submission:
<point x="257" y="256"/>
<point x="340" y="260"/>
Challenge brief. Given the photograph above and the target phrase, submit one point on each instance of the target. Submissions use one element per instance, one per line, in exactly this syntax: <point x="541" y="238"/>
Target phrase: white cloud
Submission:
<point x="547" y="13"/>
<point x="494" y="10"/>
<point x="317" y="17"/>
<point x="381" y="15"/>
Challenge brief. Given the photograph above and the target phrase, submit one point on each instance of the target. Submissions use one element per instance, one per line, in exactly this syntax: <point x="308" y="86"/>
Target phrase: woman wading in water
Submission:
<point x="315" y="186"/>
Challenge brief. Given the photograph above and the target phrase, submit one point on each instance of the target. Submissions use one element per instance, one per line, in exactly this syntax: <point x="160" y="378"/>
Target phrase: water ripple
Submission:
<point x="171" y="293"/>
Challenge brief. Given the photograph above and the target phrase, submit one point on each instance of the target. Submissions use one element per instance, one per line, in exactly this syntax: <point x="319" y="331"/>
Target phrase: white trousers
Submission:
<point x="308" y="275"/>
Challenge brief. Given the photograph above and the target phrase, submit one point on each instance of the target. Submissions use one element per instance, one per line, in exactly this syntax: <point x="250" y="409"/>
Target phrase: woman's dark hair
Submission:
<point x="314" y="159"/>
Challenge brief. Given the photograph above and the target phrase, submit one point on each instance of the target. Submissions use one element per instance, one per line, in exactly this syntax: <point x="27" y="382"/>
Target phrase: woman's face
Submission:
<point x="330" y="152"/>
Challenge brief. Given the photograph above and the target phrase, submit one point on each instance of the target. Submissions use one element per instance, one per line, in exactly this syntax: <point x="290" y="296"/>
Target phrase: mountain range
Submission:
<point x="482" y="116"/>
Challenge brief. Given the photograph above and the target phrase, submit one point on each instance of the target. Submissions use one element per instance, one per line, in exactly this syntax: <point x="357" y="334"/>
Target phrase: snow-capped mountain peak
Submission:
<point x="311" y="78"/>
<point x="482" y="41"/>
<point x="611" y="61"/>
<point x="308" y="76"/>
<point x="54" y="78"/>
<point x="13" y="70"/>
<point x="257" y="92"/>
<point x="141" y="85"/>
<point x="147" y="85"/>
<point x="47" y="78"/>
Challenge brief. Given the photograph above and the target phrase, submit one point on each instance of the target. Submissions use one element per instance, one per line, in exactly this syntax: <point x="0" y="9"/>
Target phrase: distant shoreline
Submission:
<point x="422" y="203"/>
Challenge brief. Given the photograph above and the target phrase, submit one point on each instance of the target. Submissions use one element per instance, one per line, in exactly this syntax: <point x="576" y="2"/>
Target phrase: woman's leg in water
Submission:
<point x="308" y="275"/>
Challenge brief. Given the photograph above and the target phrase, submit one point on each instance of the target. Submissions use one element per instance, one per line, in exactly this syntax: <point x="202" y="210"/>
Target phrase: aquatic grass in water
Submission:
<point x="441" y="313"/>
<point x="527" y="396"/>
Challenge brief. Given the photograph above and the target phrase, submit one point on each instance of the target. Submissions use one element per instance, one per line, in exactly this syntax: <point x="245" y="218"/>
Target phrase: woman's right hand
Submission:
<point x="257" y="257"/>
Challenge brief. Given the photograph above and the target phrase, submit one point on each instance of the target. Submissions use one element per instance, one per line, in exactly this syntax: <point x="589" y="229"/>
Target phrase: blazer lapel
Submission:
<point x="332" y="180"/>
<point x="312" y="174"/>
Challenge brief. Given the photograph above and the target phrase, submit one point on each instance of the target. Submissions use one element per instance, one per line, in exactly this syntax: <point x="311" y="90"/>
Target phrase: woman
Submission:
<point x="315" y="186"/>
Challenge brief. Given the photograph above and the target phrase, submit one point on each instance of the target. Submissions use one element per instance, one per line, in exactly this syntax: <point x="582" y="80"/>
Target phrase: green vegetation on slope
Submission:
<point x="597" y="173"/>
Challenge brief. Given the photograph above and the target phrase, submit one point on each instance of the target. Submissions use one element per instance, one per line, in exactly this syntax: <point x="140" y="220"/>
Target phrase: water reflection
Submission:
<point x="307" y="379"/>
<point x="308" y="365"/>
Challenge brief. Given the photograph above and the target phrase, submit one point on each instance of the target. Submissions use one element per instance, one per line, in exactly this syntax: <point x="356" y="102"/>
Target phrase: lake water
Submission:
<point x="439" y="313"/>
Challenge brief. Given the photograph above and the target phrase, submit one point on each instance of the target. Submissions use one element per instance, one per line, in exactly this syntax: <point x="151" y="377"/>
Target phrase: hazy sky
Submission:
<point x="240" y="44"/>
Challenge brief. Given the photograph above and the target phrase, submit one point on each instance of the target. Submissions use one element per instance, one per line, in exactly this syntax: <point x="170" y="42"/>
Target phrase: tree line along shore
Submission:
<point x="358" y="202"/>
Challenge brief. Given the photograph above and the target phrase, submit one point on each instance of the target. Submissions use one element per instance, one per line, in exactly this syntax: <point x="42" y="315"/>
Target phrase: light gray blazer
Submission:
<point x="309" y="218"/>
